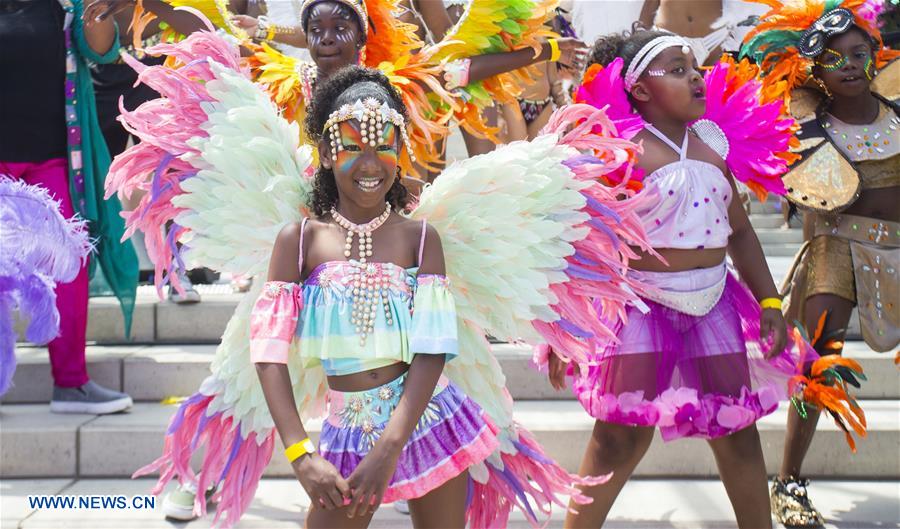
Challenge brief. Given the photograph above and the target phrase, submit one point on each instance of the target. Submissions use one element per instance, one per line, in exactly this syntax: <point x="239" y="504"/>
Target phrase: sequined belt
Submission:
<point x="372" y="407"/>
<point x="691" y="292"/>
<point x="860" y="229"/>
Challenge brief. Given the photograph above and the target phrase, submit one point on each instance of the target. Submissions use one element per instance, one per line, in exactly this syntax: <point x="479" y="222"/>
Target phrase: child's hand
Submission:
<point x="772" y="321"/>
<point x="556" y="371"/>
<point x="322" y="482"/>
<point x="369" y="481"/>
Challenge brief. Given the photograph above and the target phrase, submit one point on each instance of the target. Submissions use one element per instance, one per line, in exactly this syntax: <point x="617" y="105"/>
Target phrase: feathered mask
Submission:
<point x="794" y="32"/>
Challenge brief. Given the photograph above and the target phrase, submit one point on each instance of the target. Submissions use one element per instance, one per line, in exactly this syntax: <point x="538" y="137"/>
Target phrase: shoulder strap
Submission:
<point x="302" y="233"/>
<point x="682" y="151"/>
<point x="422" y="243"/>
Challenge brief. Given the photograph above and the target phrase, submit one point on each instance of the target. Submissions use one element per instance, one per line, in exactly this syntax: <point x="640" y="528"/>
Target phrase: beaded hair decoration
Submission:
<point x="358" y="7"/>
<point x="647" y="53"/>
<point x="372" y="115"/>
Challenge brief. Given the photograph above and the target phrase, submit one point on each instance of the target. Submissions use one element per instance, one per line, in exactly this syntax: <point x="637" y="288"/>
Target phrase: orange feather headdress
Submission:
<point x="778" y="43"/>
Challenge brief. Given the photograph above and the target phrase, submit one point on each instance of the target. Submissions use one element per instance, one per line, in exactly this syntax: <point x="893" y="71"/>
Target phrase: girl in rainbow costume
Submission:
<point x="708" y="355"/>
<point x="242" y="181"/>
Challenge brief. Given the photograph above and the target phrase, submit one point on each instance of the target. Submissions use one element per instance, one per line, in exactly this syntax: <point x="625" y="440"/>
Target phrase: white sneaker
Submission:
<point x="179" y="503"/>
<point x="190" y="294"/>
<point x="401" y="506"/>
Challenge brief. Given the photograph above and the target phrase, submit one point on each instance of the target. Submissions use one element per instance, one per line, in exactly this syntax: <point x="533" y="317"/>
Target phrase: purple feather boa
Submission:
<point x="40" y="249"/>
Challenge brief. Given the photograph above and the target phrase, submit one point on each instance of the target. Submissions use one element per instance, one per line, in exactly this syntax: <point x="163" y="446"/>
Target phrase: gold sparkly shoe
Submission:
<point x="791" y="505"/>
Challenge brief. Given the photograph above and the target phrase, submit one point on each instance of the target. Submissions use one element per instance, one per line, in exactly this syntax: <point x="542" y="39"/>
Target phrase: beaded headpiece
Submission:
<point x="372" y="115"/>
<point x="648" y="52"/>
<point x="358" y="7"/>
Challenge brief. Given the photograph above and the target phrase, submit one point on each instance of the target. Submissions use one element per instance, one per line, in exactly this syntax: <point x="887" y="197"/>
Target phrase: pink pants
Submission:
<point x="67" y="350"/>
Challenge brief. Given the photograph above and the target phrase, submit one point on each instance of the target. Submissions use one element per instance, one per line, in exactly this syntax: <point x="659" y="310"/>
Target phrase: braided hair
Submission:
<point x="348" y="85"/>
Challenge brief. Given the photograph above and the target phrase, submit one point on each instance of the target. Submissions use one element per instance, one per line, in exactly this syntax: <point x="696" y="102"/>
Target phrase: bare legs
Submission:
<point x="442" y="508"/>
<point x="612" y="448"/>
<point x="619" y="449"/>
<point x="742" y="468"/>
<point x="800" y="431"/>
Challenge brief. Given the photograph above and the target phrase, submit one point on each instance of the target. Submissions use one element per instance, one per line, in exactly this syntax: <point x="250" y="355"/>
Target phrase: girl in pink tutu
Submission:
<point x="708" y="358"/>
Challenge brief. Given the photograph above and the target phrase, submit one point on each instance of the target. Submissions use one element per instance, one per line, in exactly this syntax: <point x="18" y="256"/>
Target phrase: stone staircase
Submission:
<point x="171" y="346"/>
<point x="170" y="355"/>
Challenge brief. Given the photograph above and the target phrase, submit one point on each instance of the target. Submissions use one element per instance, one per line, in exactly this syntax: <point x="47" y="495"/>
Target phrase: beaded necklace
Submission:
<point x="370" y="287"/>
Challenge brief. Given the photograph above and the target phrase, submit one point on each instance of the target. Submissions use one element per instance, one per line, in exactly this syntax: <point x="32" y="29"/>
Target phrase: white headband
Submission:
<point x="646" y="54"/>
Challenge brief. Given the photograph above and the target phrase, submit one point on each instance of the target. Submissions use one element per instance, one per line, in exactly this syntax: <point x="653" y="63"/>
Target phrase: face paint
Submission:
<point x="832" y="60"/>
<point x="869" y="68"/>
<point x="388" y="153"/>
<point x="333" y="34"/>
<point x="353" y="147"/>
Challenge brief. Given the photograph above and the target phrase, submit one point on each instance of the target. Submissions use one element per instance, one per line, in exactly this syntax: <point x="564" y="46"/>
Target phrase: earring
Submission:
<point x="822" y="86"/>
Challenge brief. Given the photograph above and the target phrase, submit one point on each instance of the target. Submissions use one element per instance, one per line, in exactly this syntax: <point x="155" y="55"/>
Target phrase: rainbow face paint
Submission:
<point x="354" y="150"/>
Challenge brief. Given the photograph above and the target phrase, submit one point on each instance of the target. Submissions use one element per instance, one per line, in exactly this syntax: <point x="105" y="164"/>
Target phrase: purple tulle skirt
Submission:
<point x="690" y="376"/>
<point x="453" y="434"/>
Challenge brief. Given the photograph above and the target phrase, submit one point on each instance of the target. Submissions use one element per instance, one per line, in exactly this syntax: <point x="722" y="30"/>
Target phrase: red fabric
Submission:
<point x="67" y="350"/>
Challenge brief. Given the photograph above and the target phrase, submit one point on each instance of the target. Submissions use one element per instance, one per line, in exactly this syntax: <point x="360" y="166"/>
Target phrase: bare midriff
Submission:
<point x="688" y="18"/>
<point x="365" y="380"/>
<point x="678" y="259"/>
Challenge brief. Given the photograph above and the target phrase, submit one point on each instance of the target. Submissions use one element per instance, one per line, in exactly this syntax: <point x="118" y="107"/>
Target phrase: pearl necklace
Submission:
<point x="370" y="288"/>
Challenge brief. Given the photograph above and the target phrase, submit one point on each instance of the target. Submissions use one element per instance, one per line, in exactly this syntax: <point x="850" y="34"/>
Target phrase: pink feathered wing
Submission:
<point x="161" y="161"/>
<point x="598" y="291"/>
<point x="756" y="132"/>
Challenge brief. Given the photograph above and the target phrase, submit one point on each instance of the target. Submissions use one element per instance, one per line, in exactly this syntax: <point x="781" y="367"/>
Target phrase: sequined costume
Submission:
<point x="839" y="162"/>
<point x="849" y="256"/>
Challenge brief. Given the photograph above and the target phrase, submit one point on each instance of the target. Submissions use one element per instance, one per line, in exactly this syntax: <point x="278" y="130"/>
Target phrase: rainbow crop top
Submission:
<point x="317" y="313"/>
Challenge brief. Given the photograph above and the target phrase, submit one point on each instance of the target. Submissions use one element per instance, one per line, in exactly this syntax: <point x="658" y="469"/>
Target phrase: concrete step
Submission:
<point x="774" y="236"/>
<point x="35" y="443"/>
<point x="779" y="249"/>
<point x="281" y="504"/>
<point x="161" y="321"/>
<point x="152" y="373"/>
<point x="769" y="207"/>
<point x="772" y="220"/>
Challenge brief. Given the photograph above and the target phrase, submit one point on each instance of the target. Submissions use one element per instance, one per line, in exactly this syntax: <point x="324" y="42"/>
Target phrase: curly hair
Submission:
<point x="625" y="45"/>
<point x="345" y="87"/>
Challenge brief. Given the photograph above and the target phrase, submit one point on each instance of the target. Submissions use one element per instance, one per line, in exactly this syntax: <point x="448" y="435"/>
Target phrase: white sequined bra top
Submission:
<point x="691" y="210"/>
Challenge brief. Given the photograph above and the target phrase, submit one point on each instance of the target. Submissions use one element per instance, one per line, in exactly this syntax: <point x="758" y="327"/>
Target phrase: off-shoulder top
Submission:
<point x="317" y="313"/>
<point x="691" y="206"/>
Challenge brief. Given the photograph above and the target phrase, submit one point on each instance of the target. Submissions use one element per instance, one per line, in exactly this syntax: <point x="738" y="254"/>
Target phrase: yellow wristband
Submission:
<point x="298" y="450"/>
<point x="554" y="50"/>
<point x="771" y="303"/>
<point x="270" y="34"/>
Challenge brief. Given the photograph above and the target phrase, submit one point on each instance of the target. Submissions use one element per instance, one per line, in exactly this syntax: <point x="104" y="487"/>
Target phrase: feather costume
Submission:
<point x="774" y="43"/>
<point x="40" y="249"/>
<point x="748" y="128"/>
<point x="236" y="180"/>
<point x="747" y="123"/>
